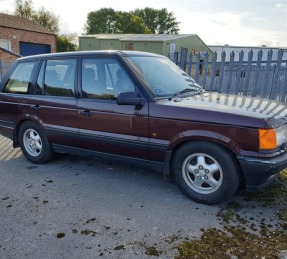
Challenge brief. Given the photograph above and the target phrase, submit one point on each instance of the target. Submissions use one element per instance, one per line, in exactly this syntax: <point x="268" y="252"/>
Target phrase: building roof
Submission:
<point x="139" y="37"/>
<point x="20" y="23"/>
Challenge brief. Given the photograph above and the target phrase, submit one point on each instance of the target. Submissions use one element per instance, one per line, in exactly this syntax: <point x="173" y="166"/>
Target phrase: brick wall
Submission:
<point x="7" y="57"/>
<point x="15" y="36"/>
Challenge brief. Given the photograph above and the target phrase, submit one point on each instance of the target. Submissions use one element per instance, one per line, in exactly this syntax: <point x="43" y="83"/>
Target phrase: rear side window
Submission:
<point x="21" y="79"/>
<point x="57" y="78"/>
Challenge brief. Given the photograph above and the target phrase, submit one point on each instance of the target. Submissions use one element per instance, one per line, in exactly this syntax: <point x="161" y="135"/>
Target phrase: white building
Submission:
<point x="237" y="49"/>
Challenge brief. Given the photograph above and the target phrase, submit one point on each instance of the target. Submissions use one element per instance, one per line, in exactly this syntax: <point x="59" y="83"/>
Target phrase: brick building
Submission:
<point x="21" y="37"/>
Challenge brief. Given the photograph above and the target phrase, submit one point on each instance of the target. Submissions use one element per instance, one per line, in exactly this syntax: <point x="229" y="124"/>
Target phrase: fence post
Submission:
<point x="220" y="85"/>
<point x="240" y="73"/>
<point x="284" y="88"/>
<point x="230" y="71"/>
<point x="189" y="65"/>
<point x="256" y="83"/>
<point x="213" y="69"/>
<point x="274" y="89"/>
<point x="265" y="90"/>
<point x="197" y="71"/>
<point x="248" y="69"/>
<point x="205" y="65"/>
<point x="183" y="58"/>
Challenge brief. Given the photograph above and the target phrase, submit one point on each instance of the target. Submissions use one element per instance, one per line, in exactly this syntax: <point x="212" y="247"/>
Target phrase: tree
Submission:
<point x="25" y="9"/>
<point x="158" y="21"/>
<point x="129" y="23"/>
<point x="66" y="42"/>
<point x="47" y="19"/>
<point x="101" y="21"/>
<point x="107" y="20"/>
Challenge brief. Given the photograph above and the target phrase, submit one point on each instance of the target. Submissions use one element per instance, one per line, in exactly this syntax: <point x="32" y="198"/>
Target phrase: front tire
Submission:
<point x="205" y="172"/>
<point x="34" y="143"/>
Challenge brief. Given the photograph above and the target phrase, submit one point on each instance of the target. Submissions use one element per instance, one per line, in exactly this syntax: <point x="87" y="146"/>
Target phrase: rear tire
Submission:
<point x="34" y="143"/>
<point x="205" y="172"/>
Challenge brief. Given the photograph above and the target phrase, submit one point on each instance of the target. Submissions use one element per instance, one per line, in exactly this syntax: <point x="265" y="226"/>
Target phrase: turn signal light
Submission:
<point x="267" y="139"/>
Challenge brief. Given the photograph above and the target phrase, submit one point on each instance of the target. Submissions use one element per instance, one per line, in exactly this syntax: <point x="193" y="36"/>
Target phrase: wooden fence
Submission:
<point x="247" y="77"/>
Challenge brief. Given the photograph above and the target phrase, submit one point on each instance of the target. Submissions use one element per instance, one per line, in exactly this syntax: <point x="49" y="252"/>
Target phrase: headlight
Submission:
<point x="272" y="138"/>
<point x="281" y="135"/>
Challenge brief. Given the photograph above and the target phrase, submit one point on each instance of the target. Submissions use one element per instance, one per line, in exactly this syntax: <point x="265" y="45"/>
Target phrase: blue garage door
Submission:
<point x="27" y="49"/>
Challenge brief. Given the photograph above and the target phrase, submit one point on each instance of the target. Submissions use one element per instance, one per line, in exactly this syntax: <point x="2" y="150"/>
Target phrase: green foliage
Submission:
<point x="47" y="19"/>
<point x="158" y="21"/>
<point x="25" y="9"/>
<point x="148" y="20"/>
<point x="129" y="23"/>
<point x="101" y="21"/>
<point x="106" y="20"/>
<point x="66" y="43"/>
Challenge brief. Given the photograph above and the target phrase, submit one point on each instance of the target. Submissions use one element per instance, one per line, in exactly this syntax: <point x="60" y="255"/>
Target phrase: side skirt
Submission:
<point x="157" y="166"/>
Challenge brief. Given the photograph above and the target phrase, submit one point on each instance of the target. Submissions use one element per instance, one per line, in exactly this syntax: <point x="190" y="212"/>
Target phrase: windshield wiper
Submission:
<point x="186" y="90"/>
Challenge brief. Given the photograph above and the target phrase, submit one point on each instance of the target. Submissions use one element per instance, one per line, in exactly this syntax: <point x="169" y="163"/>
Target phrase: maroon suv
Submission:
<point x="140" y="107"/>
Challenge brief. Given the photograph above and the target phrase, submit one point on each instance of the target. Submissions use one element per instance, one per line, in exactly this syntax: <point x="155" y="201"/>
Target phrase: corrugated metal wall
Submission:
<point x="192" y="42"/>
<point x="153" y="47"/>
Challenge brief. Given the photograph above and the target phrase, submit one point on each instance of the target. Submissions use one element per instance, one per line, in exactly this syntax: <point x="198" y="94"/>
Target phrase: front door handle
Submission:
<point x="86" y="113"/>
<point x="35" y="107"/>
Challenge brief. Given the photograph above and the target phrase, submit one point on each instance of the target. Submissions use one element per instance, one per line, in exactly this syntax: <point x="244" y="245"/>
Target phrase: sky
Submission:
<point x="216" y="22"/>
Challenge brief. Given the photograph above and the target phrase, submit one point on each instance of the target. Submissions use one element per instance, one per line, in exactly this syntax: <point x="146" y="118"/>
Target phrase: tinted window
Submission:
<point x="59" y="78"/>
<point x="104" y="79"/>
<point x="20" y="80"/>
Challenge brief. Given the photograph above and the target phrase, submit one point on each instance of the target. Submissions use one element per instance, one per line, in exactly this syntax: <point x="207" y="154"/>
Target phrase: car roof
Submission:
<point x="90" y="53"/>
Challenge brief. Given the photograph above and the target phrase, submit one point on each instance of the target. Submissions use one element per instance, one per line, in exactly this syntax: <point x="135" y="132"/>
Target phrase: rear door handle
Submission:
<point x="86" y="113"/>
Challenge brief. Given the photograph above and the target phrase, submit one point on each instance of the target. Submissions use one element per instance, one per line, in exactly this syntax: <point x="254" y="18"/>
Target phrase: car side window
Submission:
<point x="104" y="79"/>
<point x="21" y="79"/>
<point x="57" y="78"/>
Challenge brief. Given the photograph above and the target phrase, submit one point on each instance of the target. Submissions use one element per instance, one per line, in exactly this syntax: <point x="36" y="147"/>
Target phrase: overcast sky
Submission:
<point x="216" y="22"/>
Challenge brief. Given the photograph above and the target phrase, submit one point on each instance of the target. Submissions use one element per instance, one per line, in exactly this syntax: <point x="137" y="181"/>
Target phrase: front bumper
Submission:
<point x="259" y="172"/>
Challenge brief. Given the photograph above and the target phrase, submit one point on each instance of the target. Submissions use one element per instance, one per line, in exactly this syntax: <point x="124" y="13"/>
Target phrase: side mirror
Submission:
<point x="130" y="98"/>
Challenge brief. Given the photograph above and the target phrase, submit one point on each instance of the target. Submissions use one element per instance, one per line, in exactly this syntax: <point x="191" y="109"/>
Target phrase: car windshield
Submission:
<point x="164" y="77"/>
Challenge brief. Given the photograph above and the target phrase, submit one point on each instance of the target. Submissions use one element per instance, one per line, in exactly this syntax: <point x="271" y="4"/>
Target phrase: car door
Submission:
<point x="105" y="126"/>
<point x="54" y="103"/>
<point x="15" y="96"/>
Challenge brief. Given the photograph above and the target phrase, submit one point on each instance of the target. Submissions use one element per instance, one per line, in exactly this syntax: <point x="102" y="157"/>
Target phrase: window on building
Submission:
<point x="129" y="46"/>
<point x="5" y="44"/>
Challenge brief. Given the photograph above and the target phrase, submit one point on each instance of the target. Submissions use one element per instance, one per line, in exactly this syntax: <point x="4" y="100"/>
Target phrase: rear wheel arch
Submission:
<point x="34" y="142"/>
<point x="17" y="128"/>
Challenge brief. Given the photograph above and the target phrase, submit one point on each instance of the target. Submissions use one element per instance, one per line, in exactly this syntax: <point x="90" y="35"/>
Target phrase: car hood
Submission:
<point x="230" y="109"/>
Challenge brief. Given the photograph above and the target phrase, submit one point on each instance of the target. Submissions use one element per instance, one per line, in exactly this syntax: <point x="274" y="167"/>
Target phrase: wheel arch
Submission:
<point x="18" y="126"/>
<point x="204" y="137"/>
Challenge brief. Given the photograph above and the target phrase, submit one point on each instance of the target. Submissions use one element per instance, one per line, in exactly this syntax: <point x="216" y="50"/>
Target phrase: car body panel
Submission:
<point x="113" y="128"/>
<point x="58" y="116"/>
